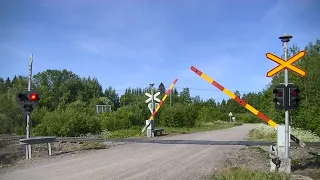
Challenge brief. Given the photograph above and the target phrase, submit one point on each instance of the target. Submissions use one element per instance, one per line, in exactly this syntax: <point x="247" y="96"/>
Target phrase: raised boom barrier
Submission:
<point x="243" y="103"/>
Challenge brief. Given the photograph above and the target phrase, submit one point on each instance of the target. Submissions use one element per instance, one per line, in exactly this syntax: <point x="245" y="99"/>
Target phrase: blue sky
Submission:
<point x="135" y="42"/>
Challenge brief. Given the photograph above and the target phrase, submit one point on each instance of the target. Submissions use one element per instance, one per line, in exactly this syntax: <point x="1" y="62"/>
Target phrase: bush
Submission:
<point x="180" y="115"/>
<point x="139" y="113"/>
<point x="74" y="120"/>
<point x="125" y="117"/>
<point x="247" y="118"/>
<point x="115" y="120"/>
<point x="208" y="114"/>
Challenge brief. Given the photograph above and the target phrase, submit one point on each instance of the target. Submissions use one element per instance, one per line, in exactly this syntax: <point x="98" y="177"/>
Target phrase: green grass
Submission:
<point x="267" y="133"/>
<point x="135" y="132"/>
<point x="125" y="133"/>
<point x="237" y="173"/>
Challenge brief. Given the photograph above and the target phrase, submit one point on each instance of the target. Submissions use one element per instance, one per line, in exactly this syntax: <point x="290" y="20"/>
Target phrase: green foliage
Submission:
<point x="179" y="115"/>
<point x="125" y="133"/>
<point x="208" y="114"/>
<point x="248" y="118"/>
<point x="68" y="103"/>
<point x="74" y="120"/>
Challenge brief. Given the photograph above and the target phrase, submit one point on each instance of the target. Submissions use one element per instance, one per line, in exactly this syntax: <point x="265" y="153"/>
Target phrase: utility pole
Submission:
<point x="153" y="108"/>
<point x="285" y="38"/>
<point x="170" y="97"/>
<point x="28" y="147"/>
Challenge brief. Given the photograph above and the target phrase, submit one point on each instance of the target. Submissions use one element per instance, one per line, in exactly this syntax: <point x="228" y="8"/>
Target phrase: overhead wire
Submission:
<point x="198" y="89"/>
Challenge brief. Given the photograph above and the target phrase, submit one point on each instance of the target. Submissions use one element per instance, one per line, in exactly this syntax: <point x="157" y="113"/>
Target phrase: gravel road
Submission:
<point x="137" y="161"/>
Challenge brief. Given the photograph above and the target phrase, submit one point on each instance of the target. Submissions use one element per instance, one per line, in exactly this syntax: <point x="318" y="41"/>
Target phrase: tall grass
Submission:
<point x="237" y="173"/>
<point x="266" y="132"/>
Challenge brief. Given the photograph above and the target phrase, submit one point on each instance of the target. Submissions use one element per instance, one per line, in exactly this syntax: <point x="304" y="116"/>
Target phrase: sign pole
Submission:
<point x="28" y="147"/>
<point x="285" y="38"/>
<point x="285" y="49"/>
<point x="153" y="108"/>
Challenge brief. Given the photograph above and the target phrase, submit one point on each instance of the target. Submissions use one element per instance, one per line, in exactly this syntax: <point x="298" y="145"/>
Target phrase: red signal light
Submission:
<point x="33" y="97"/>
<point x="295" y="92"/>
<point x="277" y="93"/>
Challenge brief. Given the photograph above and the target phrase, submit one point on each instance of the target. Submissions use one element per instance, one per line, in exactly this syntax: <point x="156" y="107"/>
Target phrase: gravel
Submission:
<point x="135" y="161"/>
<point x="149" y="161"/>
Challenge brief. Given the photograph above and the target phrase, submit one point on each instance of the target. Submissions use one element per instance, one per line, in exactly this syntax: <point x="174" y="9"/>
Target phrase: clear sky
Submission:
<point x="138" y="42"/>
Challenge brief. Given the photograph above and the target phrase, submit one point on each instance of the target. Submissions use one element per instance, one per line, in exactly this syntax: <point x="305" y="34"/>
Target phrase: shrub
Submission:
<point x="180" y="115"/>
<point x="207" y="114"/>
<point x="72" y="121"/>
<point x="247" y="118"/>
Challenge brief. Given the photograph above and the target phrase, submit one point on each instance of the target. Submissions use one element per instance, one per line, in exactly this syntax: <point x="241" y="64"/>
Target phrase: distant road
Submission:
<point x="137" y="161"/>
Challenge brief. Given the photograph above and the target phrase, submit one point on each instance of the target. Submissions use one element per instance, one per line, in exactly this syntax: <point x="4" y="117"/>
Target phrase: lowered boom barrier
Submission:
<point x="161" y="102"/>
<point x="243" y="103"/>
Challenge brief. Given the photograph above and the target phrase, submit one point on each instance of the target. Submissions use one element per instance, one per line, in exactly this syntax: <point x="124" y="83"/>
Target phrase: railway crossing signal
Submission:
<point x="286" y="96"/>
<point x="161" y="102"/>
<point x="152" y="105"/>
<point x="243" y="103"/>
<point x="27" y="101"/>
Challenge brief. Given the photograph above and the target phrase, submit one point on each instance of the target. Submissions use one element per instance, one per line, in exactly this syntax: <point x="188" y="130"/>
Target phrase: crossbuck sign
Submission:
<point x="150" y="104"/>
<point x="154" y="97"/>
<point x="286" y="64"/>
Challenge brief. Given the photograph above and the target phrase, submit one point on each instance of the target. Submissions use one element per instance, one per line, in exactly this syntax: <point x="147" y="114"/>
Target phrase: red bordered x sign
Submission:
<point x="286" y="64"/>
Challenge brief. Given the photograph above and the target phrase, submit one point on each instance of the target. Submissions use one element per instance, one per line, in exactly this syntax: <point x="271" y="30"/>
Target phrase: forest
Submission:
<point x="68" y="103"/>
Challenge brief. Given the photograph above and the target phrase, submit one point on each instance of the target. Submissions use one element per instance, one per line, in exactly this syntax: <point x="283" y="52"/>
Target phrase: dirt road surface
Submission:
<point x="137" y="161"/>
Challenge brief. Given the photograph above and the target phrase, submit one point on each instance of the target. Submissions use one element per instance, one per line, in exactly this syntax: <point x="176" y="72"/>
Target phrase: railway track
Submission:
<point x="160" y="141"/>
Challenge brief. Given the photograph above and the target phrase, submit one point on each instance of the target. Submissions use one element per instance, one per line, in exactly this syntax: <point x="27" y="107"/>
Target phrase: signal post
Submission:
<point x="28" y="100"/>
<point x="286" y="97"/>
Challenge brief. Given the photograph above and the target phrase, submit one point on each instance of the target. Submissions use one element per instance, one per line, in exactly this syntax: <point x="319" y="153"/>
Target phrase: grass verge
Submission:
<point x="267" y="133"/>
<point x="93" y="145"/>
<point x="238" y="173"/>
